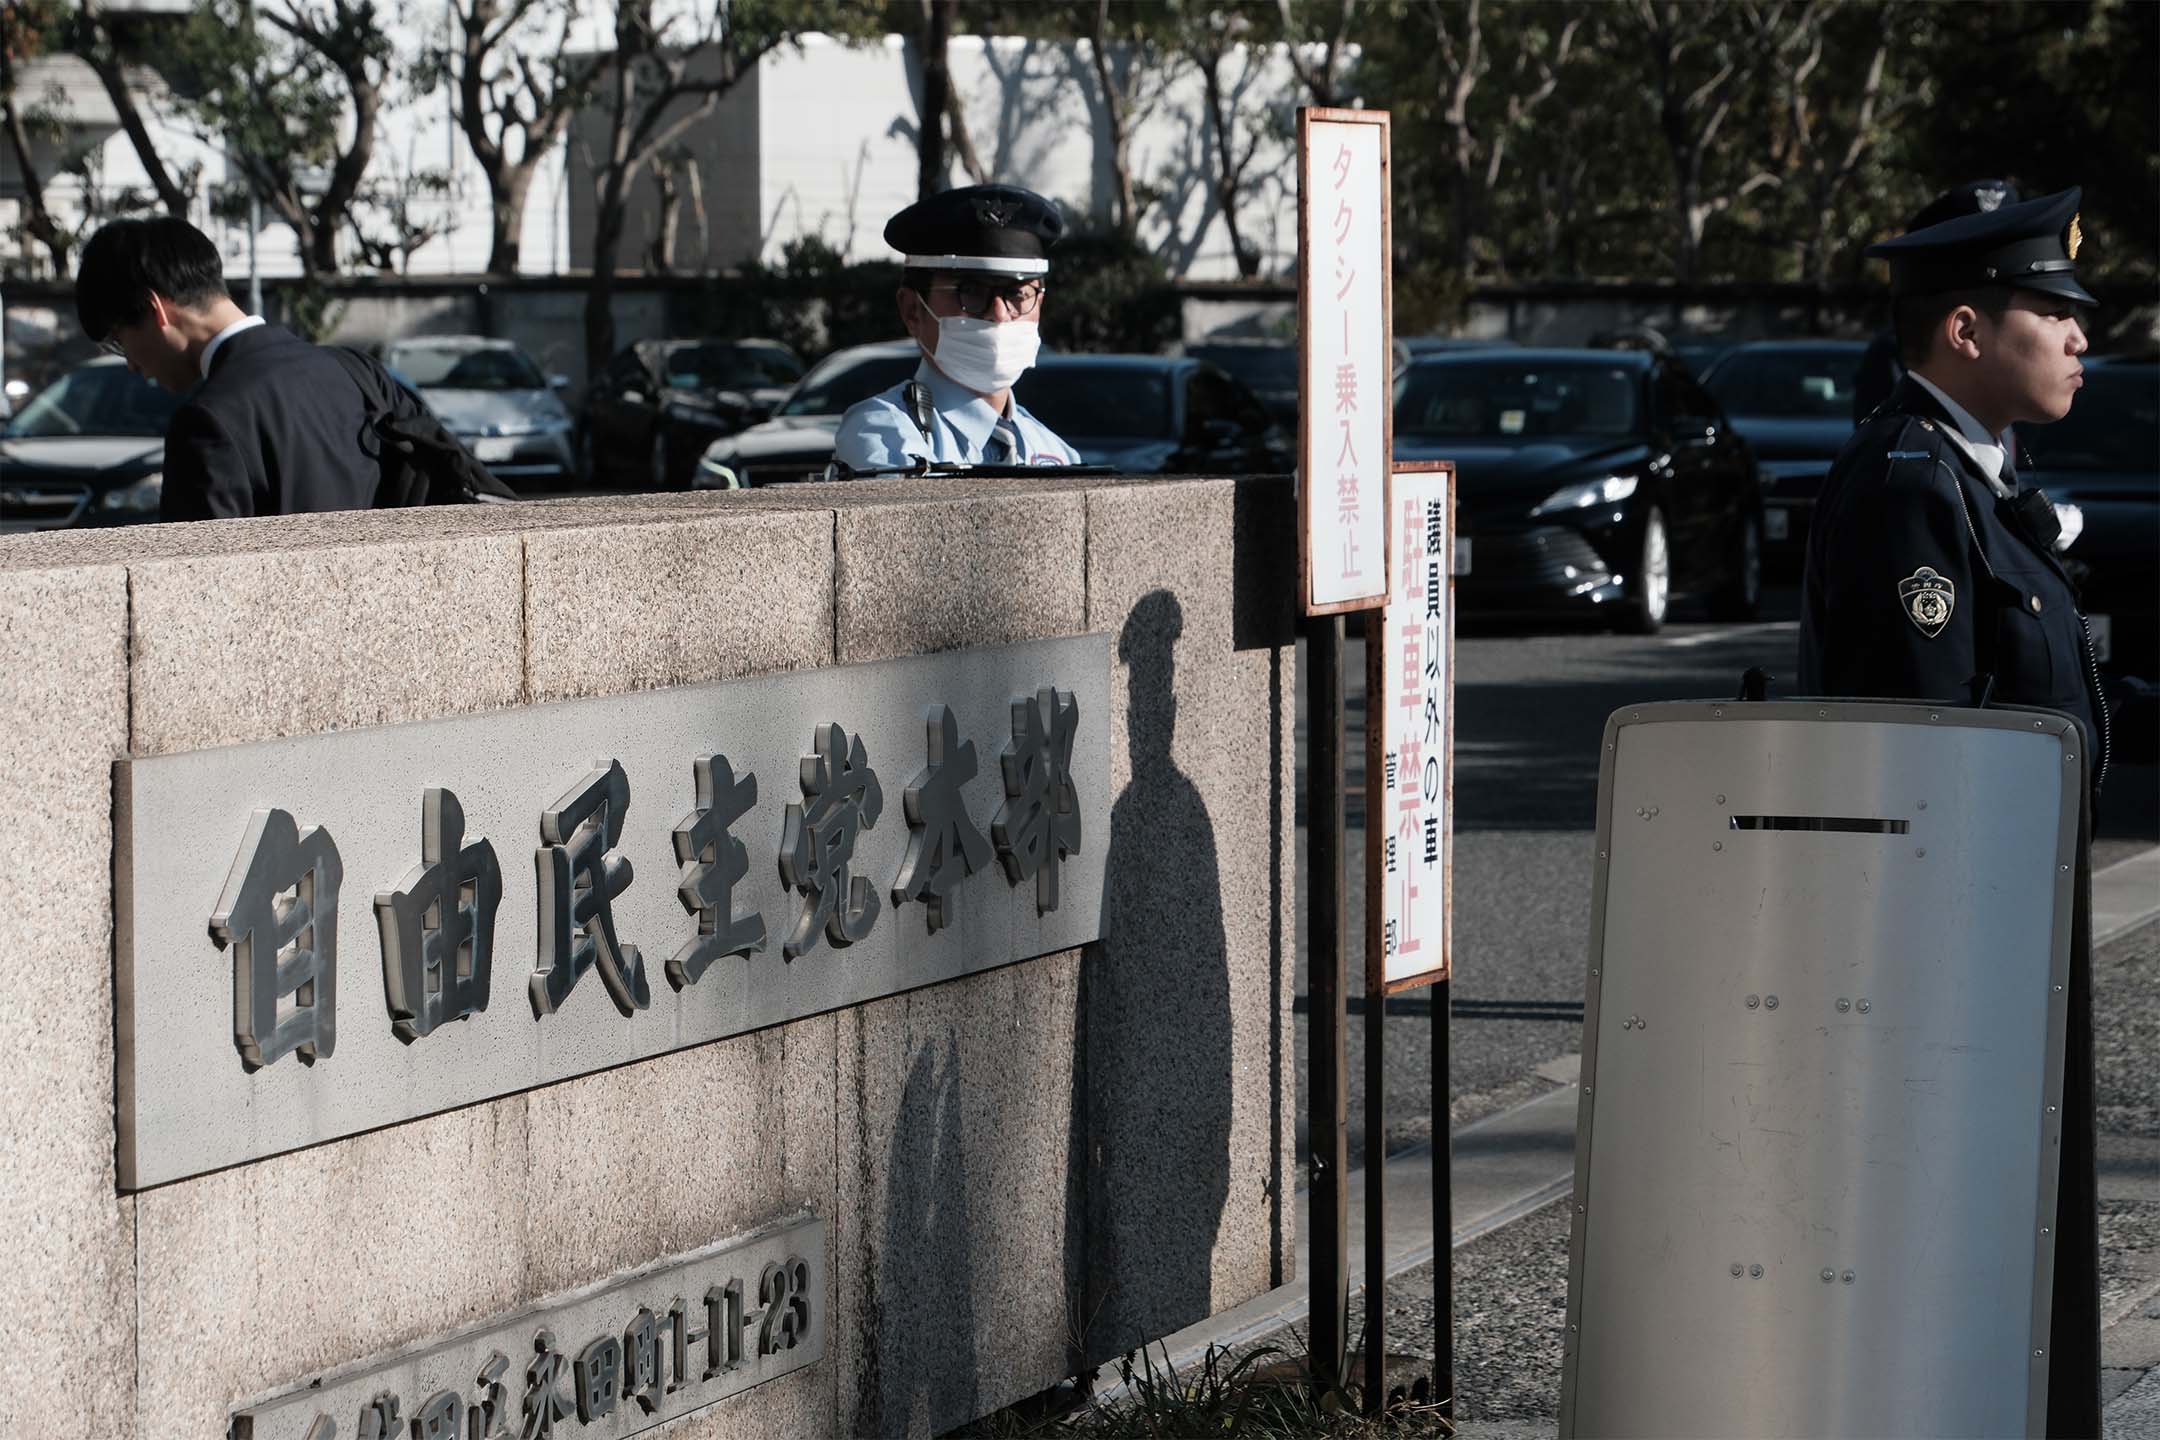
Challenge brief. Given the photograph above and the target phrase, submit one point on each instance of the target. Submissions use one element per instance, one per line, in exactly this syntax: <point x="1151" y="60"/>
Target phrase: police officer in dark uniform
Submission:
<point x="1932" y="574"/>
<point x="1879" y="370"/>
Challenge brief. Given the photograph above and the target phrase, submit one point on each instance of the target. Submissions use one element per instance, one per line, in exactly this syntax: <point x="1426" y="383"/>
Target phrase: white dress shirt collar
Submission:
<point x="1990" y="453"/>
<point x="222" y="336"/>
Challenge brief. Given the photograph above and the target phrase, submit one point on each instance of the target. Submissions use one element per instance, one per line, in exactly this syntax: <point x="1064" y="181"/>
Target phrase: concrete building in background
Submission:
<point x="819" y="141"/>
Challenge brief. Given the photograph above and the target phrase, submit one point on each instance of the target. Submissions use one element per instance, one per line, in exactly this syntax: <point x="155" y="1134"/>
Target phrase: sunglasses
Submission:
<point x="975" y="296"/>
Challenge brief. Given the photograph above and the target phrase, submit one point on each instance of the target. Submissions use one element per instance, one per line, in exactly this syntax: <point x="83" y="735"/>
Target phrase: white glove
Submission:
<point x="2072" y="520"/>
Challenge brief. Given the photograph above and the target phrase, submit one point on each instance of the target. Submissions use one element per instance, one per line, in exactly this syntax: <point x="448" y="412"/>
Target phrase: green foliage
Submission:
<point x="309" y="310"/>
<point x="276" y="105"/>
<point x="1105" y="294"/>
<point x="1267" y="1394"/>
<point x="1819" y="153"/>
<point x="1109" y="293"/>
<point x="813" y="301"/>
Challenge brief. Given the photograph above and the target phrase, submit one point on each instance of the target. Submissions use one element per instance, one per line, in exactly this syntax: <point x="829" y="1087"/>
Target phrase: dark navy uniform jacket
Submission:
<point x="1920" y="579"/>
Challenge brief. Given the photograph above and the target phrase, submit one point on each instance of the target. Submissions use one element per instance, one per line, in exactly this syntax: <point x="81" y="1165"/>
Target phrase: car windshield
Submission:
<point x="1512" y="399"/>
<point x="96" y="400"/>
<point x="2114" y="423"/>
<point x="1263" y="367"/>
<point x="1103" y="402"/>
<point x="440" y="367"/>
<point x="833" y="385"/>
<point x="1799" y="384"/>
<point x="730" y="367"/>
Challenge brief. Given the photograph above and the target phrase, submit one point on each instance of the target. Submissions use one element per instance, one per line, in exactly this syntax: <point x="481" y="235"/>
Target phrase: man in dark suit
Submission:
<point x="274" y="425"/>
<point x="1932" y="574"/>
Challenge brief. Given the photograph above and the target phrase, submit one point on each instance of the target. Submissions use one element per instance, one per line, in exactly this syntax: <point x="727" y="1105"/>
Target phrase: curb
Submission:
<point x="2125" y="895"/>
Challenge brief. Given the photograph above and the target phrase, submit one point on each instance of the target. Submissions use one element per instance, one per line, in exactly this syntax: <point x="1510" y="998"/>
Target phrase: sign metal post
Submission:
<point x="1345" y="297"/>
<point x="1409" y="861"/>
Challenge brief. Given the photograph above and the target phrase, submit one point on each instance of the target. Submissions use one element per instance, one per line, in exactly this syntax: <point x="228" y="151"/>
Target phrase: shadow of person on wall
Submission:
<point x="1153" y="1134"/>
<point x="921" y="1353"/>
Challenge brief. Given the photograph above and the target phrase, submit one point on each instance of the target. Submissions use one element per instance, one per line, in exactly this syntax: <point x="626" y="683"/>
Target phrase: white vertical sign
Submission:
<point x="1344" y="300"/>
<point x="1411" y="765"/>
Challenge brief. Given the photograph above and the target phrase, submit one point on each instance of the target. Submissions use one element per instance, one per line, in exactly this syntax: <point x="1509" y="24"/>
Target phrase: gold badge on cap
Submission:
<point x="1928" y="599"/>
<point x="2077" y="237"/>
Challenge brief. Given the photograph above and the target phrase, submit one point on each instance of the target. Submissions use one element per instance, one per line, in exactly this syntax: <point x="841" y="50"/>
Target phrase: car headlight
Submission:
<point x="140" y="498"/>
<point x="1608" y="491"/>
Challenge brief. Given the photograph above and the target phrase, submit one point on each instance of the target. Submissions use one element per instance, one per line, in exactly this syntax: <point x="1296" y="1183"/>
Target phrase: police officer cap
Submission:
<point x="1974" y="197"/>
<point x="992" y="229"/>
<point x="2032" y="245"/>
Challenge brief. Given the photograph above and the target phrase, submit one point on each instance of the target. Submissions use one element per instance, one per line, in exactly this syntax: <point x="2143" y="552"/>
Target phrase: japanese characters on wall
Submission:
<point x="1345" y="296"/>
<point x="1410" y="774"/>
<point x="617" y="1360"/>
<point x="315" y="936"/>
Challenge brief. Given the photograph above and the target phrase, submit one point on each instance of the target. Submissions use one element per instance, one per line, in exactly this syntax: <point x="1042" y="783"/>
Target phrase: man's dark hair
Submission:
<point x="1918" y="316"/>
<point x="127" y="260"/>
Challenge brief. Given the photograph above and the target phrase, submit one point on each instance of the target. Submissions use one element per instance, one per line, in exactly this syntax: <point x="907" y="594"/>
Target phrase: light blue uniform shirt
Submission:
<point x="882" y="432"/>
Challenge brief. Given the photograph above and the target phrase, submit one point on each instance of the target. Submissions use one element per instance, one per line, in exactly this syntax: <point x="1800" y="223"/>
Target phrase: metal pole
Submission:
<point x="1375" y="1167"/>
<point x="1329" y="1104"/>
<point x="1443" y="1210"/>
<point x="254" y="228"/>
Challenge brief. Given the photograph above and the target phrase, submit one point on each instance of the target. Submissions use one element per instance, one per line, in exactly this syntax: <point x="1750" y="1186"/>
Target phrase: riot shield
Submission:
<point x="1819" y="1122"/>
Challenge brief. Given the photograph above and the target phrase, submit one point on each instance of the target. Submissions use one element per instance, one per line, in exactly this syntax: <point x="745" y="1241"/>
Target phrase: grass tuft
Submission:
<point x="1262" y="1394"/>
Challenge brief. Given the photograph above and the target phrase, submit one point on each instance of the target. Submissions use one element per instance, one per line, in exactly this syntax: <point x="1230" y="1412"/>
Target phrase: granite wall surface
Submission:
<point x="1026" y="1169"/>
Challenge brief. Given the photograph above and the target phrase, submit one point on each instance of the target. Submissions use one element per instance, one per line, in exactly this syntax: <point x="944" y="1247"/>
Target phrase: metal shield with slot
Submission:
<point x="1820" y="1119"/>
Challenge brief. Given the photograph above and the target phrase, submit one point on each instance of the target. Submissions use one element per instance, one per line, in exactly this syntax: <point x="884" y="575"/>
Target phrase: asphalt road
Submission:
<point x="1531" y="707"/>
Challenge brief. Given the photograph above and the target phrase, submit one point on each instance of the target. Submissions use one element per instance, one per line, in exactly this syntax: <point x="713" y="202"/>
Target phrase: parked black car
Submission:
<point x="1268" y="368"/>
<point x="88" y="449"/>
<point x="797" y="441"/>
<point x="1141" y="414"/>
<point x="1155" y="415"/>
<point x="2104" y="458"/>
<point x="657" y="405"/>
<point x="1597" y="483"/>
<point x="1792" y="401"/>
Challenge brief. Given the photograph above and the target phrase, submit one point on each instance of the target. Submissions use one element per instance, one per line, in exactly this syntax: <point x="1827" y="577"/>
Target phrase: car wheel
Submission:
<point x="1741" y="595"/>
<point x="1650" y="591"/>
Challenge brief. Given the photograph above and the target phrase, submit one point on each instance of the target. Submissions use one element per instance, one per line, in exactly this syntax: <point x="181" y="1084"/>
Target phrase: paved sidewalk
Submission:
<point x="1511" y="1165"/>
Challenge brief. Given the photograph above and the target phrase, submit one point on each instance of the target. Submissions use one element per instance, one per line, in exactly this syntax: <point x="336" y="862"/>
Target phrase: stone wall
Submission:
<point x="1025" y="1169"/>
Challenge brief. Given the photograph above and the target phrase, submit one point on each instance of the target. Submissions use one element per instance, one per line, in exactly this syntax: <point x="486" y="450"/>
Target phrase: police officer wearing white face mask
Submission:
<point x="972" y="297"/>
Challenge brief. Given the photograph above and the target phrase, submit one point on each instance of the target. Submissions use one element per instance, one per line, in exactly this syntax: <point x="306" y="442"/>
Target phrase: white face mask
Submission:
<point x="984" y="355"/>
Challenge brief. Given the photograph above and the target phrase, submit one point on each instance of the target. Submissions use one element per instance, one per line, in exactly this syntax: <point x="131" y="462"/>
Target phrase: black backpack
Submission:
<point x="422" y="463"/>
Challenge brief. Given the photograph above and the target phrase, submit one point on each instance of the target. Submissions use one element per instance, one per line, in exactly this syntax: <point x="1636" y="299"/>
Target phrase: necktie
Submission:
<point x="1003" y="447"/>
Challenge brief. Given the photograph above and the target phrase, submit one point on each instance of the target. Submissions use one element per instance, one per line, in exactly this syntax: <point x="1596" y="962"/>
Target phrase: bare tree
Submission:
<point x="1701" y="61"/>
<point x="407" y="207"/>
<point x="1477" y="155"/>
<point x="1123" y="60"/>
<point x="1324" y="25"/>
<point x="303" y="146"/>
<point x="937" y="18"/>
<point x="21" y="38"/>
<point x="1212" y="39"/>
<point x="517" y="87"/>
<point x="1832" y="121"/>
<point x="94" y="42"/>
<point x="660" y="80"/>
